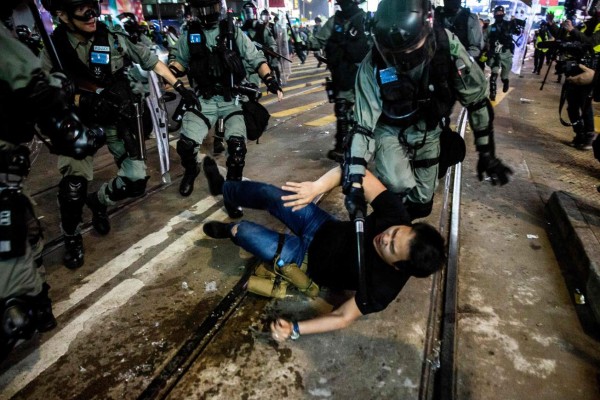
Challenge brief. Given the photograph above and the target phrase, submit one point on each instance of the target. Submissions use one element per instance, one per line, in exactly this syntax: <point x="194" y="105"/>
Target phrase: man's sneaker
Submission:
<point x="577" y="140"/>
<point x="218" y="146"/>
<point x="214" y="178"/>
<point x="100" y="220"/>
<point x="186" y="187"/>
<point x="73" y="257"/>
<point x="217" y="230"/>
<point x="234" y="212"/>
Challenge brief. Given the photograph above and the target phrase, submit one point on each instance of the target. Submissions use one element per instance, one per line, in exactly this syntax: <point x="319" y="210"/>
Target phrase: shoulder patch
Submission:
<point x="454" y="47"/>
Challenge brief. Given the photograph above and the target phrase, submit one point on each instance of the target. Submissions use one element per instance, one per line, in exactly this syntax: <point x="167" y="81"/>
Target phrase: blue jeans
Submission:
<point x="261" y="241"/>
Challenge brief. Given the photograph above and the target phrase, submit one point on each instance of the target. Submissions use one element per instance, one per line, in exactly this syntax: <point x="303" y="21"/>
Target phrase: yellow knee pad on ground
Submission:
<point x="297" y="277"/>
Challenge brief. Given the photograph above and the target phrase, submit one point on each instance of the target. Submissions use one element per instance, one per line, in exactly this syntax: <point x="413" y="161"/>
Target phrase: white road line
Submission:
<point x="124" y="260"/>
<point x="19" y="375"/>
<point x="25" y="371"/>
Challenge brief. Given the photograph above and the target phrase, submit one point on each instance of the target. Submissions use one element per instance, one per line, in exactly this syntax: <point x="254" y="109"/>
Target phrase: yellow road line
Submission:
<point x="296" y="110"/>
<point x="501" y="96"/>
<point x="322" y="121"/>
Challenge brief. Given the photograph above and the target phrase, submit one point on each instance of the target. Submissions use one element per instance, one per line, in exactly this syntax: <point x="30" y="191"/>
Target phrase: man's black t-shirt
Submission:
<point x="332" y="259"/>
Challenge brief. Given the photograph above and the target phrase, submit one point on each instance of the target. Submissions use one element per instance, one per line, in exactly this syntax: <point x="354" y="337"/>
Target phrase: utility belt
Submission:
<point x="209" y="92"/>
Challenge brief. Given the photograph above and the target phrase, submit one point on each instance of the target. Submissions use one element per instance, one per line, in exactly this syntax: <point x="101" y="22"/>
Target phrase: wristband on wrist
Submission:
<point x="178" y="85"/>
<point x="295" y="331"/>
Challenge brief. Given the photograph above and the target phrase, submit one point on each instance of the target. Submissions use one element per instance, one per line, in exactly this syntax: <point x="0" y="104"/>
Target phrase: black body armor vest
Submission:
<point x="431" y="100"/>
<point x="460" y="26"/>
<point x="209" y="68"/>
<point x="502" y="33"/>
<point x="345" y="49"/>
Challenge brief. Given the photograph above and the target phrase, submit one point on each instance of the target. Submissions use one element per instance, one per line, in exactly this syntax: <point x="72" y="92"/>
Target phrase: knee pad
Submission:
<point x="15" y="214"/>
<point x="418" y="210"/>
<point x="236" y="147"/>
<point x="72" y="191"/>
<point x="17" y="320"/>
<point x="343" y="109"/>
<point x="129" y="189"/>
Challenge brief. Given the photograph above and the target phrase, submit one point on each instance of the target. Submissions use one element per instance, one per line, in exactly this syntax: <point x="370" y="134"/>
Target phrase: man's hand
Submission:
<point x="355" y="201"/>
<point x="568" y="25"/>
<point x="584" y="78"/>
<point x="304" y="193"/>
<point x="494" y="168"/>
<point x="281" y="329"/>
<point x="188" y="96"/>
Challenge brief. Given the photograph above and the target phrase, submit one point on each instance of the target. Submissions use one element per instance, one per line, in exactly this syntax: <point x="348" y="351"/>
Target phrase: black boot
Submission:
<point x="44" y="318"/>
<point x="100" y="220"/>
<point x="188" y="150"/>
<point x="233" y="211"/>
<point x="236" y="147"/>
<point x="504" y="85"/>
<point x="73" y="257"/>
<point x="336" y="154"/>
<point x="186" y="187"/>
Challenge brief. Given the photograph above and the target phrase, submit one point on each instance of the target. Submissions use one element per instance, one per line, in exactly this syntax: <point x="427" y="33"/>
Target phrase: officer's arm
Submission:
<point x="475" y="36"/>
<point x="339" y="318"/>
<point x="270" y="41"/>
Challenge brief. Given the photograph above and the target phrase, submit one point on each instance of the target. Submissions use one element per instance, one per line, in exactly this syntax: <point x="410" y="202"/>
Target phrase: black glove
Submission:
<point x="355" y="202"/>
<point x="188" y="96"/>
<point x="494" y="168"/>
<point x="271" y="83"/>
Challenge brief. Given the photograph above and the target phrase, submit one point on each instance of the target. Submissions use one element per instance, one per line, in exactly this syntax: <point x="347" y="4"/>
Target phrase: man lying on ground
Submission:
<point x="395" y="250"/>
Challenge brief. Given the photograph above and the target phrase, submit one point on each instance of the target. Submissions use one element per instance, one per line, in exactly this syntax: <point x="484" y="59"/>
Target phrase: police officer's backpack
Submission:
<point x="256" y="118"/>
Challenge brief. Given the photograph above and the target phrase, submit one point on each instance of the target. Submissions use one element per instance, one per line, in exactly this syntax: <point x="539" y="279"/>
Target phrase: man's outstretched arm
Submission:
<point x="305" y="192"/>
<point x="339" y="318"/>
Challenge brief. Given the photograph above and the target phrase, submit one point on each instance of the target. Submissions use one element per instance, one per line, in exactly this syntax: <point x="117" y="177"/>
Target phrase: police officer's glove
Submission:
<point x="188" y="96"/>
<point x="272" y="84"/>
<point x="355" y="202"/>
<point x="494" y="168"/>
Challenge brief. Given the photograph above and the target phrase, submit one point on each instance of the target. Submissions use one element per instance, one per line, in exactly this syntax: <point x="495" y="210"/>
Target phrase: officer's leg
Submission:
<point x="131" y="177"/>
<point x="574" y="104"/>
<point x="72" y="192"/>
<point x="343" y="114"/>
<point x="194" y="129"/>
<point x="587" y="115"/>
<point x="506" y="60"/>
<point x="392" y="161"/>
<point x="235" y="135"/>
<point x="419" y="201"/>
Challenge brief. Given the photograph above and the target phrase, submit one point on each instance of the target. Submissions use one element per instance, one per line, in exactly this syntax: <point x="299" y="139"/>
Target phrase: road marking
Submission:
<point x="322" y="121"/>
<point x="274" y="100"/>
<point x="302" y="85"/>
<point x="501" y="96"/>
<point x="26" y="370"/>
<point x="296" y="110"/>
<point x="124" y="260"/>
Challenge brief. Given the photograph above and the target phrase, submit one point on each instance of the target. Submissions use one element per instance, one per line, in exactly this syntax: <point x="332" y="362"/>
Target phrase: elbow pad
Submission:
<point x="175" y="71"/>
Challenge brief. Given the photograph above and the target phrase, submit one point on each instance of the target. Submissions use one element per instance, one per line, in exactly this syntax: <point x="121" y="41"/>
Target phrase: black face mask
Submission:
<point x="485" y="25"/>
<point x="498" y="18"/>
<point x="88" y="15"/>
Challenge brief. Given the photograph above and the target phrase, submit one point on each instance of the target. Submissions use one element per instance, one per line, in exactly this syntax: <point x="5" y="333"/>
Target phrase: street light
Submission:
<point x="304" y="7"/>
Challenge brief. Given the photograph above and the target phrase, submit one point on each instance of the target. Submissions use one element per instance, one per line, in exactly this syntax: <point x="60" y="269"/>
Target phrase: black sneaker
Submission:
<point x="218" y="146"/>
<point x="586" y="142"/>
<point x="234" y="212"/>
<point x="214" y="178"/>
<point x="73" y="257"/>
<point x="100" y="220"/>
<point x="217" y="230"/>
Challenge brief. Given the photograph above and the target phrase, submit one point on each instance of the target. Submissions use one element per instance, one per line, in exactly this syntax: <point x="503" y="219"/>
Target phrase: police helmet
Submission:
<point x="67" y="5"/>
<point x="451" y="5"/>
<point x="249" y="10"/>
<point x="398" y="26"/>
<point x="318" y="20"/>
<point x="208" y="12"/>
<point x="265" y="16"/>
<point x="499" y="10"/>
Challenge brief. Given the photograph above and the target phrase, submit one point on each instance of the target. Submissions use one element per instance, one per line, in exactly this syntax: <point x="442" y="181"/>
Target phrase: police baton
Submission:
<point x="269" y="52"/>
<point x="359" y="228"/>
<point x="297" y="44"/>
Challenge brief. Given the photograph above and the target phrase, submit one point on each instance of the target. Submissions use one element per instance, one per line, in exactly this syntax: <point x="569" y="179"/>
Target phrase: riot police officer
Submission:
<point x="265" y="18"/>
<point x="463" y="23"/>
<point x="404" y="88"/>
<point x="501" y="49"/>
<point x="28" y="97"/>
<point x="97" y="59"/>
<point x="579" y="108"/>
<point x="212" y="53"/>
<point x="345" y="43"/>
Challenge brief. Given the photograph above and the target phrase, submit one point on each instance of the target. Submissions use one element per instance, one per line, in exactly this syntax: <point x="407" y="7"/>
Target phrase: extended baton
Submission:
<point x="359" y="227"/>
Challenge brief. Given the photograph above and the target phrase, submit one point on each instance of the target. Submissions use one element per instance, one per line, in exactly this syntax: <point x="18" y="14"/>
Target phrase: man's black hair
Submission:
<point x="426" y="251"/>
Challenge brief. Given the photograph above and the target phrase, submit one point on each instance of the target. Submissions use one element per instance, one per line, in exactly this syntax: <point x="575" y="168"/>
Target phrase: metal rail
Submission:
<point x="438" y="373"/>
